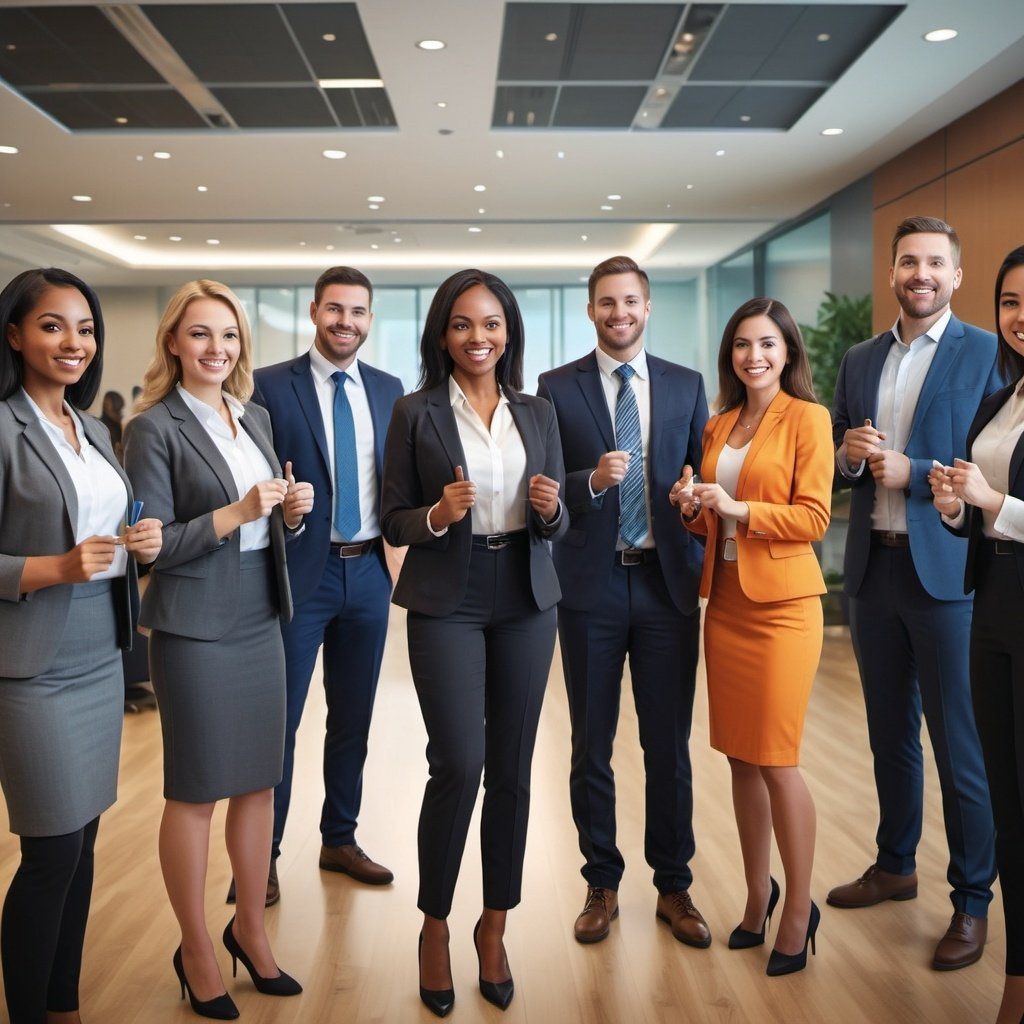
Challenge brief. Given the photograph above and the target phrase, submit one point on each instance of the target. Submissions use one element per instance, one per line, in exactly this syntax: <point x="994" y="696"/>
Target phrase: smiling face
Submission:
<point x="56" y="340"/>
<point x="207" y="342"/>
<point x="924" y="278"/>
<point x="343" y="320"/>
<point x="619" y="311"/>
<point x="1011" y="309"/>
<point x="476" y="335"/>
<point x="759" y="354"/>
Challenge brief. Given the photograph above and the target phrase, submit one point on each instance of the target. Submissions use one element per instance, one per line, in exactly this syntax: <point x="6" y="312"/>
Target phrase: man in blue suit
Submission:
<point x="330" y="413"/>
<point x="903" y="399"/>
<point x="629" y="577"/>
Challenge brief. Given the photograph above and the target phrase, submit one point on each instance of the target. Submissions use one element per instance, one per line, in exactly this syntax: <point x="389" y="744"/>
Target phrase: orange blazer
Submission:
<point x="786" y="480"/>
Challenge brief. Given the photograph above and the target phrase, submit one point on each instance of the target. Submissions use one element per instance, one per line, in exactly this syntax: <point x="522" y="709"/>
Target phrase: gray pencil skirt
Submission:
<point x="222" y="702"/>
<point x="60" y="732"/>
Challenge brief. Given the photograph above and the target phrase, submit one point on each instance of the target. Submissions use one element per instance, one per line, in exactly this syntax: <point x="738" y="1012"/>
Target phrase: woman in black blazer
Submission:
<point x="984" y="500"/>
<point x="203" y="461"/>
<point x="67" y="592"/>
<point x="472" y="473"/>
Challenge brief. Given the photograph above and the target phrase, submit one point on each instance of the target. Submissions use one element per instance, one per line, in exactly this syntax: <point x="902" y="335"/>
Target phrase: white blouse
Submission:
<point x="727" y="475"/>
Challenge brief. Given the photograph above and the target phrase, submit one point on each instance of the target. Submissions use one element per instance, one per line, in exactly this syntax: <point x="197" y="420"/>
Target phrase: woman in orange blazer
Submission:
<point x="766" y="494"/>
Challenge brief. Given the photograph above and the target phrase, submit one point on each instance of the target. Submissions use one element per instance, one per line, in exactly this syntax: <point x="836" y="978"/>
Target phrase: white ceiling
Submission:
<point x="282" y="212"/>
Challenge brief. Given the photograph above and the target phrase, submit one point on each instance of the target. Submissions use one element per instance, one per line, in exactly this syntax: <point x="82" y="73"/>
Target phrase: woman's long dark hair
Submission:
<point x="435" y="362"/>
<point x="796" y="374"/>
<point x="1011" y="362"/>
<point x="16" y="301"/>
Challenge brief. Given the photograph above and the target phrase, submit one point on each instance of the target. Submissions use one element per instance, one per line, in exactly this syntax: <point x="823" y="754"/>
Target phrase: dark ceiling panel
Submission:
<point x="775" y="107"/>
<point x="85" y="110"/>
<point x="231" y="43"/>
<point x="526" y="54"/>
<point x="698" y="106"/>
<point x="597" y="106"/>
<point x="375" y="108"/>
<point x="523" y="106"/>
<point x="67" y="45"/>
<point x="348" y="55"/>
<point x="744" y="39"/>
<point x="276" y="108"/>
<point x="621" y="42"/>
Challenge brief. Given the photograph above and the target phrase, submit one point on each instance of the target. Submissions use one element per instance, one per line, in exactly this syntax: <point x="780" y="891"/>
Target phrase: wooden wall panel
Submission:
<point x="923" y="162"/>
<point x="986" y="128"/>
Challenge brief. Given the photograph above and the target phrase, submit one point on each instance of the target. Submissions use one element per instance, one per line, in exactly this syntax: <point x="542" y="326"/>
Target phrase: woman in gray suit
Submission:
<point x="67" y="589"/>
<point x="203" y="461"/>
<point x="472" y="471"/>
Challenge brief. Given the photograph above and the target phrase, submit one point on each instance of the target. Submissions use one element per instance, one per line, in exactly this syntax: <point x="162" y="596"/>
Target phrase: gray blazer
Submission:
<point x="177" y="471"/>
<point x="38" y="511"/>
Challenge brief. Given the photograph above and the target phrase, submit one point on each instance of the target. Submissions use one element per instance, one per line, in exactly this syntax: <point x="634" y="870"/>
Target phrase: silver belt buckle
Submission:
<point x="351" y="550"/>
<point x="631" y="556"/>
<point x="497" y="541"/>
<point x="729" y="549"/>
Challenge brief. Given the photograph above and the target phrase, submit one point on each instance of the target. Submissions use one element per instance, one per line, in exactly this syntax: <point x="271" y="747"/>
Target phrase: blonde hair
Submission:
<point x="164" y="370"/>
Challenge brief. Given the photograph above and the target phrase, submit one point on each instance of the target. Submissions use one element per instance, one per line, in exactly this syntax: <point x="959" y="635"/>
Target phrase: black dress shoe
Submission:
<point x="218" y="1008"/>
<point x="741" y="938"/>
<point x="439" y="1001"/>
<point x="282" y="985"/>
<point x="785" y="963"/>
<point x="499" y="993"/>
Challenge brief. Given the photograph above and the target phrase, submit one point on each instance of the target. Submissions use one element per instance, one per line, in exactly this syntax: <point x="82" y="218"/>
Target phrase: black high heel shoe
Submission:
<point x="439" y="1001"/>
<point x="499" y="993"/>
<point x="741" y="938"/>
<point x="282" y="985"/>
<point x="218" y="1008"/>
<point x="783" y="963"/>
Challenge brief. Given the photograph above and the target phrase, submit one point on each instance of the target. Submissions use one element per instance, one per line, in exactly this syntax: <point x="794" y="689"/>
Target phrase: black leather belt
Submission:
<point x="363" y="547"/>
<point x="996" y="547"/>
<point x="636" y="556"/>
<point x="497" y="541"/>
<point x="890" y="538"/>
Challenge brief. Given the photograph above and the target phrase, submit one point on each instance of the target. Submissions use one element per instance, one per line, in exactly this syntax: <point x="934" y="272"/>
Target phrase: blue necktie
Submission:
<point x="347" y="519"/>
<point x="632" y="507"/>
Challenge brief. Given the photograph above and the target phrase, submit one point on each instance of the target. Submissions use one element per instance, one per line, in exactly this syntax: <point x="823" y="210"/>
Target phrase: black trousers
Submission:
<point x="480" y="675"/>
<point x="997" y="687"/>
<point x="43" y="927"/>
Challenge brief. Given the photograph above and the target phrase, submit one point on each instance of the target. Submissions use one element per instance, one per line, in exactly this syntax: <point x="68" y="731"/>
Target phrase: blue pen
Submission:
<point x="136" y="513"/>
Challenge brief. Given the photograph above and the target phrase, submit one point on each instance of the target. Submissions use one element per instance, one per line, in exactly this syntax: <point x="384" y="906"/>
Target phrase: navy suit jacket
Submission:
<point x="287" y="392"/>
<point x="679" y="412"/>
<point x="423" y="449"/>
<point x="962" y="373"/>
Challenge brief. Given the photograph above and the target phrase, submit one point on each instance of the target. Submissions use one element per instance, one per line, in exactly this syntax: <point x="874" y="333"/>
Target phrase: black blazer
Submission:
<point x="420" y="455"/>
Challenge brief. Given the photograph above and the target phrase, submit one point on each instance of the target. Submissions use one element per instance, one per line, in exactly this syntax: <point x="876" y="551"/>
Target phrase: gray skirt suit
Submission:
<point x="61" y="688"/>
<point x="216" y="655"/>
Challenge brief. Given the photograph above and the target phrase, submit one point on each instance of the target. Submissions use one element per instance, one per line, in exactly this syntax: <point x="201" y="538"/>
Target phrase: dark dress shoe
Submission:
<point x="688" y="925"/>
<point x="963" y="943"/>
<point x="273" y="888"/>
<point x="351" y="860"/>
<point x="743" y="939"/>
<point x="218" y="1008"/>
<point x="499" y="993"/>
<point x="280" y="985"/>
<point x="599" y="910"/>
<point x="439" y="1001"/>
<point x="874" y="886"/>
<point x="787" y="963"/>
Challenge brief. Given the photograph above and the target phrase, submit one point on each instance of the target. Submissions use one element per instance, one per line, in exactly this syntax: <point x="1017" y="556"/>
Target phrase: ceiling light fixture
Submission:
<point x="351" y="83"/>
<point x="480" y="209"/>
<point x="328" y="37"/>
<point x="161" y="154"/>
<point x="213" y="241"/>
<point x="605" y="206"/>
<point x="479" y="188"/>
<point x="551" y="37"/>
<point x="9" y="150"/>
<point x="374" y="245"/>
<point x="500" y="154"/>
<point x="560" y="154"/>
<point x="832" y="131"/>
<point x="745" y="118"/>
<point x="940" y="35"/>
<point x="139" y="238"/>
<point x="374" y="206"/>
<point x="202" y="188"/>
<point x="823" y="37"/>
<point x="375" y="199"/>
<point x="174" y="238"/>
<point x="120" y="120"/>
<point x="82" y="199"/>
<point x="583" y="238"/>
<point x="442" y="104"/>
<point x="334" y="154"/>
<point x="614" y="197"/>
<point x="430" y="44"/>
<point x="475" y="231"/>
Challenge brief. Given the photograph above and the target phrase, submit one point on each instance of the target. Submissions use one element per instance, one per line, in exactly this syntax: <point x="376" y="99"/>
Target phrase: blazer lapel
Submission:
<point x="873" y="377"/>
<point x="439" y="409"/>
<point x="772" y="417"/>
<point x="589" y="380"/>
<point x="309" y="403"/>
<point x="380" y="421"/>
<point x="946" y="355"/>
<point x="195" y="433"/>
<point x="527" y="427"/>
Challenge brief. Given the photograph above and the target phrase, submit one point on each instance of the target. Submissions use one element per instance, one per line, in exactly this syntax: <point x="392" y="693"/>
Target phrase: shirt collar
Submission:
<point x="52" y="427"/>
<point x="323" y="368"/>
<point x="934" y="332"/>
<point x="458" y="397"/>
<point x="202" y="411"/>
<point x="609" y="364"/>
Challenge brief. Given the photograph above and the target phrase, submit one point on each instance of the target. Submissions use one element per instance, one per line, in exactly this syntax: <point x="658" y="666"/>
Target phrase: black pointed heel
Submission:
<point x="499" y="993"/>
<point x="741" y="938"/>
<point x="218" y="1008"/>
<point x="282" y="985"/>
<point x="439" y="1001"/>
<point x="783" y="963"/>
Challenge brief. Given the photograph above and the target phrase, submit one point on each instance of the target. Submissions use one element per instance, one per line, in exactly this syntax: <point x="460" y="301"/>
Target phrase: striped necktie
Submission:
<point x="632" y="506"/>
<point x="347" y="519"/>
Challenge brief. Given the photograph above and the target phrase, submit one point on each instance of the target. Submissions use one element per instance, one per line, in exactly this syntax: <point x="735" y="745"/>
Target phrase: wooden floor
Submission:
<point x="354" y="947"/>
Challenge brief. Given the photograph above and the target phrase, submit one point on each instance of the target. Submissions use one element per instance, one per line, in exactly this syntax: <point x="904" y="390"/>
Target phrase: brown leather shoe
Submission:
<point x="599" y="910"/>
<point x="351" y="860"/>
<point x="963" y="943"/>
<point x="874" y="886"/>
<point x="273" y="888"/>
<point x="688" y="925"/>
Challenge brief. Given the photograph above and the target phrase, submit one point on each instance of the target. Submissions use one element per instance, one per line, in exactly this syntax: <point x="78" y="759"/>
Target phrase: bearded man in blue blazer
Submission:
<point x="902" y="400"/>
<point x="330" y="413"/>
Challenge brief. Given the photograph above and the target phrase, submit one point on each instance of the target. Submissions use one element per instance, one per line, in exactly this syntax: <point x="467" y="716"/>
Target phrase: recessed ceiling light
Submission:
<point x="374" y="245"/>
<point x="940" y="35"/>
<point x="614" y="197"/>
<point x="430" y="44"/>
<point x="328" y="37"/>
<point x="661" y="92"/>
<point x="329" y="248"/>
<point x="82" y="199"/>
<point x="374" y="206"/>
<point x="161" y="154"/>
<point x="551" y="37"/>
<point x="744" y="118"/>
<point x="441" y="104"/>
<point x="605" y="206"/>
<point x="823" y="37"/>
<point x="395" y="239"/>
<point x="500" y="154"/>
<point x="9" y="150"/>
<point x="832" y="131"/>
<point x="140" y="158"/>
<point x="139" y="238"/>
<point x="689" y="186"/>
<point x="174" y="238"/>
<point x="719" y="152"/>
<point x="335" y="154"/>
<point x="583" y="238"/>
<point x="375" y="199"/>
<point x="120" y="120"/>
<point x="351" y="83"/>
<point x="479" y="188"/>
<point x="301" y="244"/>
<point x="213" y="241"/>
<point x="202" y="188"/>
<point x="475" y="231"/>
<point x="560" y="154"/>
<point x="480" y="209"/>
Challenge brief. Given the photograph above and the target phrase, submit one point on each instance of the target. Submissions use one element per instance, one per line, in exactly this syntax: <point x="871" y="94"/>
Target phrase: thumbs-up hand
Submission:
<point x="298" y="499"/>
<point x="457" y="499"/>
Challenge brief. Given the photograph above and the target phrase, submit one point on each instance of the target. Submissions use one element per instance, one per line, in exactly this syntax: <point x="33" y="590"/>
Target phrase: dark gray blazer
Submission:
<point x="420" y="455"/>
<point x="38" y="511"/>
<point x="178" y="472"/>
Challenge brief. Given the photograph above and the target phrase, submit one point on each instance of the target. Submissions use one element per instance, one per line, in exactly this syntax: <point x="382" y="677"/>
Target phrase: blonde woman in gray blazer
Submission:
<point x="203" y="461"/>
<point x="67" y="590"/>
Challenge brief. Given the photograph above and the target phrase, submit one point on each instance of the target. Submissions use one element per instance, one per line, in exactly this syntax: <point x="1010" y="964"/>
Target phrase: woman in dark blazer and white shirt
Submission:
<point x="67" y="591"/>
<point x="472" y="472"/>
<point x="204" y="463"/>
<point x="983" y="498"/>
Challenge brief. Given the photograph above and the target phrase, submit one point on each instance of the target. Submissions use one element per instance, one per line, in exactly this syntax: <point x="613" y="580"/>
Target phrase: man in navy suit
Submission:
<point x="340" y="583"/>
<point x="635" y="596"/>
<point x="903" y="399"/>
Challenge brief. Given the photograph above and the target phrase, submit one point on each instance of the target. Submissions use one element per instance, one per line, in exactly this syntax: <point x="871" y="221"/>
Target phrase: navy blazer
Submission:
<point x="679" y="412"/>
<point x="423" y="448"/>
<point x="287" y="392"/>
<point x="38" y="513"/>
<point x="195" y="582"/>
<point x="962" y="373"/>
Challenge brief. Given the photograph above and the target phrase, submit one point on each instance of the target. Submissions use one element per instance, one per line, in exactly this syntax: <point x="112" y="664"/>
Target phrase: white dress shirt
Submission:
<point x="727" y="476"/>
<point x="355" y="391"/>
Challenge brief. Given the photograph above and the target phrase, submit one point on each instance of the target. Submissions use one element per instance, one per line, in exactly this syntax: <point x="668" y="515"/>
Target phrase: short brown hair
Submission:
<point x="926" y="226"/>
<point x="341" y="275"/>
<point x="618" y="265"/>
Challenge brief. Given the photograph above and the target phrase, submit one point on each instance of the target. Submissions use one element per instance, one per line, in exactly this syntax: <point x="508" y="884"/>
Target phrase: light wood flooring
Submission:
<point x="354" y="947"/>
